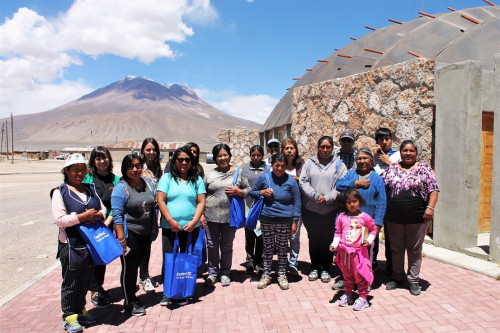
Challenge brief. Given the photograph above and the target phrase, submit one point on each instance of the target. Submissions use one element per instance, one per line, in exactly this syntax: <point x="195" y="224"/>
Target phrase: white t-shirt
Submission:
<point x="381" y="166"/>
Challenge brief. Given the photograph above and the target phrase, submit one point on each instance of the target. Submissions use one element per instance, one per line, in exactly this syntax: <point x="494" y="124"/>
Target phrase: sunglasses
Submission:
<point x="138" y="166"/>
<point x="346" y="140"/>
<point x="180" y="159"/>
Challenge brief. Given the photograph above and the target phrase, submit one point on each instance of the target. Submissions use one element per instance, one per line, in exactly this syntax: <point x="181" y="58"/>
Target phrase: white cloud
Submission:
<point x="42" y="97"/>
<point x="36" y="50"/>
<point x="251" y="107"/>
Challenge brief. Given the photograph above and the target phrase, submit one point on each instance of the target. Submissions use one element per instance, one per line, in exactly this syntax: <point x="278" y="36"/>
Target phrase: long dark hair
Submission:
<point x="297" y="159"/>
<point x="156" y="169"/>
<point x="127" y="161"/>
<point x="99" y="152"/>
<point x="196" y="159"/>
<point x="192" y="175"/>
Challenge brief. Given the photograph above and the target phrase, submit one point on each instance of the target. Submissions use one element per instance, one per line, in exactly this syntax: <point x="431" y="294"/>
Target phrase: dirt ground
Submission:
<point x="28" y="235"/>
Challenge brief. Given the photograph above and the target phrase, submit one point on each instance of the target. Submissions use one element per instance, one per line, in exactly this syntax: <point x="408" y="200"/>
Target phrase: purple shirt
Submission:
<point x="420" y="181"/>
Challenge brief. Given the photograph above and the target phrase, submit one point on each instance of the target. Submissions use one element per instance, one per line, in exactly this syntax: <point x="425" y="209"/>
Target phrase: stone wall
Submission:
<point x="399" y="97"/>
<point x="239" y="141"/>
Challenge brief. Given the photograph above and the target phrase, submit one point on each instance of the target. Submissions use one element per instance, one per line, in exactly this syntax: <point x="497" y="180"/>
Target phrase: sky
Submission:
<point x="238" y="55"/>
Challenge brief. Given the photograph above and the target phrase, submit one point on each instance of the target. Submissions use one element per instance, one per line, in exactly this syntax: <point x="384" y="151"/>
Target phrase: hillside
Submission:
<point x="127" y="110"/>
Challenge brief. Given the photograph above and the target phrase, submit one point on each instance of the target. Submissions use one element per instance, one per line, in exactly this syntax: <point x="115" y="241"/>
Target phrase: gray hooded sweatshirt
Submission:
<point x="316" y="179"/>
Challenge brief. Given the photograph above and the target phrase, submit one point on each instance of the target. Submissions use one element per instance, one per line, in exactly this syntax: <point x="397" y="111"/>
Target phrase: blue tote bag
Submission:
<point x="180" y="271"/>
<point x="236" y="207"/>
<point x="200" y="248"/>
<point x="102" y="244"/>
<point x="255" y="209"/>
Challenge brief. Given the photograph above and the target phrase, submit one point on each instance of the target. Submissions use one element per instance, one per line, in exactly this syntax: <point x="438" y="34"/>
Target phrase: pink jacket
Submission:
<point x="349" y="242"/>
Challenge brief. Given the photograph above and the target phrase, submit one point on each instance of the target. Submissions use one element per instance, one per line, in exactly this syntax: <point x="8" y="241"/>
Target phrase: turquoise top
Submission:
<point x="182" y="198"/>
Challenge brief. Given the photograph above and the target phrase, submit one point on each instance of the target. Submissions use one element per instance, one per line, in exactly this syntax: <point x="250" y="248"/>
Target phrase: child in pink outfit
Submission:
<point x="353" y="257"/>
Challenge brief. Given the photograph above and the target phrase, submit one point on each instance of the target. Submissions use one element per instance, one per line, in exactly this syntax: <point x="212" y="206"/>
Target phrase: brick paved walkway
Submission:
<point x="453" y="299"/>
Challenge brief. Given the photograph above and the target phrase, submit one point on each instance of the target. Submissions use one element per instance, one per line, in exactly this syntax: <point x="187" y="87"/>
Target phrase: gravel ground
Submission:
<point x="28" y="235"/>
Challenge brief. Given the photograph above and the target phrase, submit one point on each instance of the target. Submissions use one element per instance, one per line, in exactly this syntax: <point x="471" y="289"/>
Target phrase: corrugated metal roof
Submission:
<point x="447" y="38"/>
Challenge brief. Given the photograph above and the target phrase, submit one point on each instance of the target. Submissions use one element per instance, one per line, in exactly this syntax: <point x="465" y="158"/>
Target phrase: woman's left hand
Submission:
<point x="428" y="215"/>
<point x="234" y="190"/>
<point x="189" y="227"/>
<point x="293" y="230"/>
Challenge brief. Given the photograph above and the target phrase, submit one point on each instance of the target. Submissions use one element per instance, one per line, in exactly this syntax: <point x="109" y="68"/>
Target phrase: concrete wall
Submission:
<point x="239" y="141"/>
<point x="463" y="91"/>
<point x="399" y="97"/>
<point x="495" y="200"/>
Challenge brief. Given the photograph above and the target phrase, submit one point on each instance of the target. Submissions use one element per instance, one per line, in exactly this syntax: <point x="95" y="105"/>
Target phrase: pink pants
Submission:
<point x="351" y="275"/>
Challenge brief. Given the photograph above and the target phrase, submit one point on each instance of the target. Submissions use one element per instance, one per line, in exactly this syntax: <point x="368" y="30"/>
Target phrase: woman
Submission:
<point x="253" y="239"/>
<point x="150" y="153"/>
<point x="73" y="203"/>
<point x="372" y="190"/>
<point x="181" y="200"/>
<point x="134" y="212"/>
<point x="220" y="235"/>
<point x="279" y="216"/>
<point x="412" y="193"/>
<point x="293" y="167"/>
<point x="317" y="180"/>
<point x="101" y="175"/>
<point x="195" y="150"/>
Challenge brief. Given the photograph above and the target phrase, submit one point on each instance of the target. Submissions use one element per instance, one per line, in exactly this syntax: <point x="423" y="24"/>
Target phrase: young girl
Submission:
<point x="352" y="241"/>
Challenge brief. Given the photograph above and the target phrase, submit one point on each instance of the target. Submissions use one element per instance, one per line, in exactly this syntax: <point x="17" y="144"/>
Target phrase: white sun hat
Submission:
<point x="73" y="159"/>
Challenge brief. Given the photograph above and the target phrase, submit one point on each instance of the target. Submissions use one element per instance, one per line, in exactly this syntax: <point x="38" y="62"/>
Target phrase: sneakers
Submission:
<point x="135" y="309"/>
<point x="147" y="285"/>
<point x="293" y="270"/>
<point x="265" y="280"/>
<point x="313" y="276"/>
<point x="283" y="282"/>
<point x="210" y="281"/>
<point x="71" y="324"/>
<point x="392" y="285"/>
<point x="99" y="301"/>
<point x="360" y="304"/>
<point x="225" y="281"/>
<point x="325" y="277"/>
<point x="414" y="288"/>
<point x="165" y="301"/>
<point x="86" y="318"/>
<point x="182" y="301"/>
<point x="345" y="300"/>
<point x="339" y="284"/>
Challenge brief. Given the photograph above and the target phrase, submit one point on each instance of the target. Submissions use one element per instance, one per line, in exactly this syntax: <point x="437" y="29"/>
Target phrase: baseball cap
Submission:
<point x="348" y="133"/>
<point x="273" y="141"/>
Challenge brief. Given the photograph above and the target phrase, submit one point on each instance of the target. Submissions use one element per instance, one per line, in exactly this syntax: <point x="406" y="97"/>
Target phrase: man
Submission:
<point x="384" y="156"/>
<point x="273" y="147"/>
<point x="346" y="151"/>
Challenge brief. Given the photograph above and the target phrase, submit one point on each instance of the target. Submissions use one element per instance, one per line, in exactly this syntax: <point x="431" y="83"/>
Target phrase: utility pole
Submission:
<point x="1" y="144"/>
<point x="7" y="138"/>
<point x="12" y="133"/>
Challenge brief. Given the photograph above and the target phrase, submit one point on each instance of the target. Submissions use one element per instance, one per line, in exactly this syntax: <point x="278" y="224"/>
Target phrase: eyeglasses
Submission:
<point x="346" y="140"/>
<point x="180" y="159"/>
<point x="138" y="166"/>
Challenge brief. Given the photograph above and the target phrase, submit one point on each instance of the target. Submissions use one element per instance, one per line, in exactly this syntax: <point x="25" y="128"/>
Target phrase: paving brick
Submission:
<point x="444" y="305"/>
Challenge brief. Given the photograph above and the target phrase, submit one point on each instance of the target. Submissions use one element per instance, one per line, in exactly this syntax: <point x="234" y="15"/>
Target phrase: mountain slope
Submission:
<point x="127" y="110"/>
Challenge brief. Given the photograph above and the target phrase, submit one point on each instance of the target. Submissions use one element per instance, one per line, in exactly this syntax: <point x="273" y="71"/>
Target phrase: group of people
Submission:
<point x="343" y="198"/>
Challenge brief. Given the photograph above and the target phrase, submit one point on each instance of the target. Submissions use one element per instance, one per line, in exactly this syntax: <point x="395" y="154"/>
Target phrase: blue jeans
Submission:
<point x="295" y="245"/>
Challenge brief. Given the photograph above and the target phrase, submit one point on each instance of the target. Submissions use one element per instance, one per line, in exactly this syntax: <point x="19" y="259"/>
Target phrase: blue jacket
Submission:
<point x="119" y="199"/>
<point x="285" y="202"/>
<point x="374" y="195"/>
